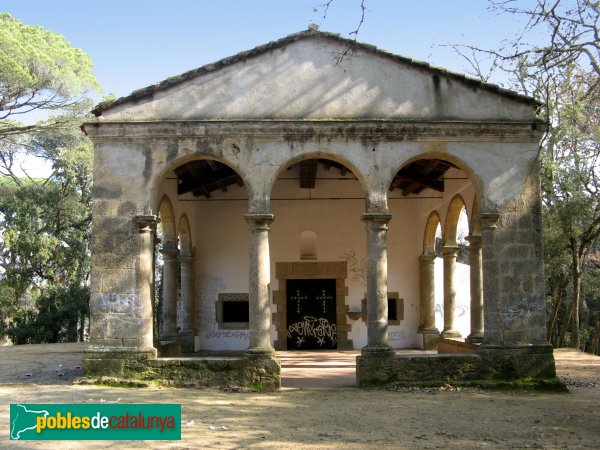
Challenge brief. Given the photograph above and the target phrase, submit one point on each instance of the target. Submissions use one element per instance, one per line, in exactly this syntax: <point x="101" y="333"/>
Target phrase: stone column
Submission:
<point x="476" y="288"/>
<point x="169" y="289"/>
<point x="489" y="267"/>
<point x="144" y="280"/>
<point x="260" y="309"/>
<point x="377" y="306"/>
<point x="427" y="294"/>
<point x="449" y="253"/>
<point x="187" y="332"/>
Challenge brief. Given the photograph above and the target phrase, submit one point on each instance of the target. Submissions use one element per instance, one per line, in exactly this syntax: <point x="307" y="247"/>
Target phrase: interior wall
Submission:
<point x="333" y="211"/>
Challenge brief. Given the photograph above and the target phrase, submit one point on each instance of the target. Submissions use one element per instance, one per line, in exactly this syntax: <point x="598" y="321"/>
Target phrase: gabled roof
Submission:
<point x="303" y="35"/>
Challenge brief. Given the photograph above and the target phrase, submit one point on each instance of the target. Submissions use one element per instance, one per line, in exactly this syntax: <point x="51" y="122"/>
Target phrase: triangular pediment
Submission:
<point x="301" y="77"/>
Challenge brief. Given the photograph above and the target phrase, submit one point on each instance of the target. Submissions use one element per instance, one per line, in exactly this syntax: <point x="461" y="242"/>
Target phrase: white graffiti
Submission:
<point x="522" y="313"/>
<point x="127" y="302"/>
<point x="461" y="310"/>
<point x="313" y="327"/>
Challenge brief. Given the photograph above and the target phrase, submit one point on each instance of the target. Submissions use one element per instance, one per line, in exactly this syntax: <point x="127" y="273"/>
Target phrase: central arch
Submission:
<point x="317" y="199"/>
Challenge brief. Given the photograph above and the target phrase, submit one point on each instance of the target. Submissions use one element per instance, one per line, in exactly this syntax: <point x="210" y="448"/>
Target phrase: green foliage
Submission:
<point x="39" y="70"/>
<point x="562" y="70"/>
<point x="44" y="249"/>
<point x="57" y="318"/>
<point x="45" y="223"/>
<point x="46" y="227"/>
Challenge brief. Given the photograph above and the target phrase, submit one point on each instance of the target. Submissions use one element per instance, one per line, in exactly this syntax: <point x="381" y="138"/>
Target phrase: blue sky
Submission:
<point x="135" y="43"/>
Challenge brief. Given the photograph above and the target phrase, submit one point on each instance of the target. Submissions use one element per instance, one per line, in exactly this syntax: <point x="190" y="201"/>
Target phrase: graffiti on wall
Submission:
<point x="521" y="314"/>
<point x="229" y="334"/>
<point x="459" y="310"/>
<point x="357" y="269"/>
<point x="127" y="302"/>
<point x="314" y="328"/>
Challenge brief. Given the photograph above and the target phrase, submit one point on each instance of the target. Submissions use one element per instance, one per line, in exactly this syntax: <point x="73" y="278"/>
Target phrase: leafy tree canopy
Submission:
<point x="44" y="222"/>
<point x="39" y="70"/>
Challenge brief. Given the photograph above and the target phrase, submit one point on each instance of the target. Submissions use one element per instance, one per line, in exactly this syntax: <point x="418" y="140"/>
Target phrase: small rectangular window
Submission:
<point x="392" y="309"/>
<point x="236" y="311"/>
<point x="233" y="311"/>
<point x="395" y="309"/>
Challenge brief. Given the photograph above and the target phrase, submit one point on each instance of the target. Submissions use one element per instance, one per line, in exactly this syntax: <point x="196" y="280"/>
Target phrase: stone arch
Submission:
<point x="185" y="236"/>
<point x="198" y="156"/>
<point x="452" y="215"/>
<point x="167" y="218"/>
<point x="433" y="221"/>
<point x="443" y="156"/>
<point x="316" y="178"/>
<point x="319" y="155"/>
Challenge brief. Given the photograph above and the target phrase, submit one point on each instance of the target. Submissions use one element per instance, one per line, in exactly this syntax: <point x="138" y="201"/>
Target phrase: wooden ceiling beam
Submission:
<point x="214" y="166"/>
<point x="308" y="173"/>
<point x="437" y="184"/>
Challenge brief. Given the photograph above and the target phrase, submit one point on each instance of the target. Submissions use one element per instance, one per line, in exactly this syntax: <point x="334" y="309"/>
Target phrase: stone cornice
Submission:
<point x="317" y="130"/>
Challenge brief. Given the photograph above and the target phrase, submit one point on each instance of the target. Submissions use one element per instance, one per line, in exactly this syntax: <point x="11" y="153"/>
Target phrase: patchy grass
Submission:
<point x="113" y="382"/>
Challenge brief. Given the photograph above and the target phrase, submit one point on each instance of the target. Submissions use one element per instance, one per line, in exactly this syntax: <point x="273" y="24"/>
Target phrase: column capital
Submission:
<point x="146" y="223"/>
<point x="186" y="259"/>
<point x="449" y="250"/>
<point x="427" y="258"/>
<point x="474" y="240"/>
<point x="169" y="252"/>
<point x="259" y="220"/>
<point x="488" y="221"/>
<point x="376" y="219"/>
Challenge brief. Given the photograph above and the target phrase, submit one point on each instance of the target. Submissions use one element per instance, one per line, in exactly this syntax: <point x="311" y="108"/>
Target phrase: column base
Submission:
<point x="169" y="349"/>
<point x="375" y="365"/>
<point x="451" y="334"/>
<point x="113" y="360"/>
<point x="377" y="351"/>
<point x="475" y="338"/>
<point x="187" y="340"/>
<point x="431" y="338"/>
<point x="518" y="361"/>
<point x="260" y="352"/>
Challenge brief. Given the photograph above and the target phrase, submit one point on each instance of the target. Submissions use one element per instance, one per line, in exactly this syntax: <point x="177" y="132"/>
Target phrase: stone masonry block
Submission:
<point x="283" y="270"/>
<point x="304" y="270"/>
<point x="118" y="280"/>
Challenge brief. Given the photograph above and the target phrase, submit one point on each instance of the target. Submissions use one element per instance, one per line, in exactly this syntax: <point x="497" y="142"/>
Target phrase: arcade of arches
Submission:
<point x="292" y="222"/>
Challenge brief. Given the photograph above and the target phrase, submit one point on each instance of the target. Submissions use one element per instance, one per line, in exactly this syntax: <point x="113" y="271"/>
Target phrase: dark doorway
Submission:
<point x="311" y="314"/>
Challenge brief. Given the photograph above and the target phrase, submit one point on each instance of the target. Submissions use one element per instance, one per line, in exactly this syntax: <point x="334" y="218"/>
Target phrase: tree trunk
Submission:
<point x="558" y="300"/>
<point x="575" y="338"/>
<point x="565" y="325"/>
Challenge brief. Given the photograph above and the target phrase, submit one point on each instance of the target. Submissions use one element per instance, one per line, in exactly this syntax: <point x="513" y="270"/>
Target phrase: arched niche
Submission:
<point x="457" y="204"/>
<point x="431" y="226"/>
<point x="185" y="236"/>
<point x="167" y="220"/>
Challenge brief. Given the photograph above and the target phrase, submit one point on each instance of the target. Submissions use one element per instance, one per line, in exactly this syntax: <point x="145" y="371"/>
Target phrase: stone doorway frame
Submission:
<point x="312" y="270"/>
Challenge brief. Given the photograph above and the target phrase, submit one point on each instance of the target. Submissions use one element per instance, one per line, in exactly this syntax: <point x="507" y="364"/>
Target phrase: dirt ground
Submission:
<point x="346" y="418"/>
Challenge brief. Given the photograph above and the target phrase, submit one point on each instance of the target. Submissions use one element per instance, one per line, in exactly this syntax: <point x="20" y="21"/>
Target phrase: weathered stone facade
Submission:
<point x="378" y="117"/>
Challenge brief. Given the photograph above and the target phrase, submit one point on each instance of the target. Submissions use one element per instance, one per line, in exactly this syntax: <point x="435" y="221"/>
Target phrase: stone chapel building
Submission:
<point x="297" y="195"/>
